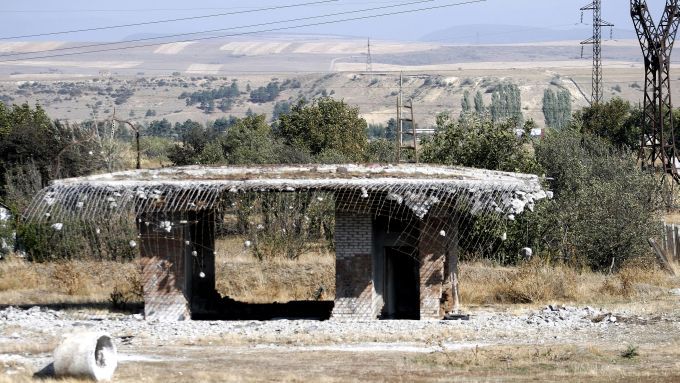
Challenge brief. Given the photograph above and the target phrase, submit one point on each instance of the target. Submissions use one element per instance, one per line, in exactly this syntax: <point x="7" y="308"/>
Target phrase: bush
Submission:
<point x="280" y="225"/>
<point x="78" y="240"/>
<point x="605" y="207"/>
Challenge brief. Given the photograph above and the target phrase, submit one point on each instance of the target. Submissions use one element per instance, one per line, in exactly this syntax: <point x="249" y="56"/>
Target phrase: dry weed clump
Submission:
<point x="638" y="276"/>
<point x="23" y="282"/>
<point x="70" y="278"/>
<point x="240" y="274"/>
<point x="531" y="282"/>
<point x="17" y="274"/>
<point x="537" y="281"/>
<point x="128" y="289"/>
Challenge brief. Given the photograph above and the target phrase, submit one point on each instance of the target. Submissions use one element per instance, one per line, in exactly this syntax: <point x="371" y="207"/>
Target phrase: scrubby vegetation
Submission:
<point x="223" y="97"/>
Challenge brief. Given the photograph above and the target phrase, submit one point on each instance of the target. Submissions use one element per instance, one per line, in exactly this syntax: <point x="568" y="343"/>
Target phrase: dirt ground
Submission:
<point x="619" y="342"/>
<point x="583" y="326"/>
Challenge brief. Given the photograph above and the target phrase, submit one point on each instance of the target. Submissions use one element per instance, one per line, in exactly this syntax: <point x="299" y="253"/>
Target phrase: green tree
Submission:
<point x="162" y="128"/>
<point x="557" y="108"/>
<point x="222" y="124"/>
<point x="466" y="105"/>
<point x="325" y="125"/>
<point x="479" y="142"/>
<point x="550" y="107"/>
<point x="265" y="93"/>
<point x="506" y="103"/>
<point x="381" y="151"/>
<point x="480" y="108"/>
<point x="615" y="120"/>
<point x="194" y="139"/>
<point x="250" y="141"/>
<point x="563" y="108"/>
<point x="57" y="150"/>
<point x="281" y="107"/>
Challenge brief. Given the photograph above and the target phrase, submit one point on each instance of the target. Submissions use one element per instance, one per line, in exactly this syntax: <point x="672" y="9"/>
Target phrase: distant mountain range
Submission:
<point x="511" y="34"/>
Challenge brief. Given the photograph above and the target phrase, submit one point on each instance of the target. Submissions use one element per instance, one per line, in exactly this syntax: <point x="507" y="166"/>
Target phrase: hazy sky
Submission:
<point x="41" y="16"/>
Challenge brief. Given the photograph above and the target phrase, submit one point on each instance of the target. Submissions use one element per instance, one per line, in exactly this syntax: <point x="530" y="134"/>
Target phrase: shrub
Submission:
<point x="280" y="225"/>
<point x="605" y="207"/>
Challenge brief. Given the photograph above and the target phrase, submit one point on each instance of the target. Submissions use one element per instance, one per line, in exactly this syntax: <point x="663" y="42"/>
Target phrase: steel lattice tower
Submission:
<point x="369" y="58"/>
<point x="596" y="41"/>
<point x="657" y="149"/>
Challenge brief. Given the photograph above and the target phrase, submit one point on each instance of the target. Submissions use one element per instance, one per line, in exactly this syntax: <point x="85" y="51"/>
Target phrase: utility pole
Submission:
<point x="135" y="129"/>
<point x="596" y="42"/>
<point x="407" y="138"/>
<point x="369" y="59"/>
<point x="657" y="146"/>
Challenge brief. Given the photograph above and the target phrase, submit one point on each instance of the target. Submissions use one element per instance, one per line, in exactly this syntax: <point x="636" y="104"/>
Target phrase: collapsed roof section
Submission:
<point x="418" y="188"/>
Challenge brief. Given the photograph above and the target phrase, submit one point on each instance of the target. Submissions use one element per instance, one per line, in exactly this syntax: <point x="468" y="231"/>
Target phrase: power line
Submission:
<point x="153" y="9"/>
<point x="214" y="30"/>
<point x="167" y="20"/>
<point x="264" y="30"/>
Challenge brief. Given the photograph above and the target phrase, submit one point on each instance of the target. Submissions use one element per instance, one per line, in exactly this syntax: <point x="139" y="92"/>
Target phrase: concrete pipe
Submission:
<point x="89" y="354"/>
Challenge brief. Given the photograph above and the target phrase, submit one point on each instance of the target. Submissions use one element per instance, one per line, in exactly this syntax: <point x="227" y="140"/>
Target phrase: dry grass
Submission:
<point x="25" y="283"/>
<point x="239" y="275"/>
<point x="593" y="363"/>
<point x="540" y="282"/>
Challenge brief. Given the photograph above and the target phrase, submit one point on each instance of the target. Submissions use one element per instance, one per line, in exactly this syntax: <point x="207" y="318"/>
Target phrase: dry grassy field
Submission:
<point x="498" y="343"/>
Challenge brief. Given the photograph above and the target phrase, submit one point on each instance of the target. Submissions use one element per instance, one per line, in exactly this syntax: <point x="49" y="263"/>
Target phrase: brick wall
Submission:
<point x="353" y="267"/>
<point x="164" y="271"/>
<point x="433" y="248"/>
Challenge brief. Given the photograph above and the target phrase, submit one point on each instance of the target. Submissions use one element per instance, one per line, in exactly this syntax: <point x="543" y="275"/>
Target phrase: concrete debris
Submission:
<point x="559" y="320"/>
<point x="557" y="313"/>
<point x="675" y="292"/>
<point x="526" y="253"/>
<point x="86" y="354"/>
<point x="166" y="225"/>
<point x="34" y="313"/>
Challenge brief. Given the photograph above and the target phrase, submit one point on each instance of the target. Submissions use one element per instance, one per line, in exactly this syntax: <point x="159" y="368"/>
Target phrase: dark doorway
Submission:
<point x="402" y="288"/>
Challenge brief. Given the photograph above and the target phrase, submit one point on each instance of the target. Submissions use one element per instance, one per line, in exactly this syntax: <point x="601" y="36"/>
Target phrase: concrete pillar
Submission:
<point x="353" y="267"/>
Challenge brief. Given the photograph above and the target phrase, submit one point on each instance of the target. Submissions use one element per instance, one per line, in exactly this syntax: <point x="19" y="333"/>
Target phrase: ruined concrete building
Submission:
<point x="396" y="232"/>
